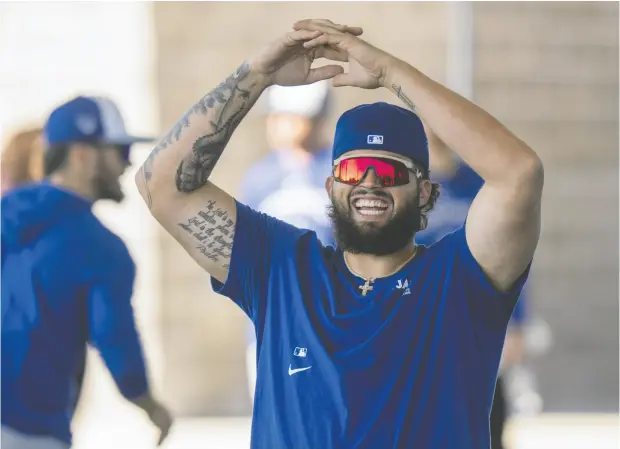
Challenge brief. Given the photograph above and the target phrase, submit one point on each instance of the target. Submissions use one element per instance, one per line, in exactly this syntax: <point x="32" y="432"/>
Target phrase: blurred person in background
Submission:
<point x="459" y="186"/>
<point x="379" y="342"/>
<point x="21" y="161"/>
<point x="298" y="162"/>
<point x="68" y="280"/>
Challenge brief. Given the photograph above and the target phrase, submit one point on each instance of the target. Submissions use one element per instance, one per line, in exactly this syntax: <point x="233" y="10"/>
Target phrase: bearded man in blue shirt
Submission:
<point x="67" y="280"/>
<point x="377" y="343"/>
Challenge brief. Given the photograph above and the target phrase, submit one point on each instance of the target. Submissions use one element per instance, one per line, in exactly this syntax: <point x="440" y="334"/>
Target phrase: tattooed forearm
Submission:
<point x="212" y="120"/>
<point x="213" y="231"/>
<point x="195" y="169"/>
<point x="404" y="98"/>
<point x="209" y="101"/>
<point x="231" y="103"/>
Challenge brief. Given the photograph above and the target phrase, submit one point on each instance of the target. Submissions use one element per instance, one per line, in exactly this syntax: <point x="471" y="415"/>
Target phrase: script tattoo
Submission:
<point x="213" y="230"/>
<point x="404" y="98"/>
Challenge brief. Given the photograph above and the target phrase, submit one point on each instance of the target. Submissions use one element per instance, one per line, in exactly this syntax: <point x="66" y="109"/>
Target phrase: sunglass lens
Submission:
<point x="390" y="173"/>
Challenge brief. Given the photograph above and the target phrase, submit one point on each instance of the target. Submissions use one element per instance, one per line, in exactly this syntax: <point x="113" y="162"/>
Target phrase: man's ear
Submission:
<point x="329" y="182"/>
<point x="425" y="188"/>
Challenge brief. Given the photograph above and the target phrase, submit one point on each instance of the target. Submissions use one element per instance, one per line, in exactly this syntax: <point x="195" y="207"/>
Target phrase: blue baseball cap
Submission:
<point x="95" y="120"/>
<point x="384" y="127"/>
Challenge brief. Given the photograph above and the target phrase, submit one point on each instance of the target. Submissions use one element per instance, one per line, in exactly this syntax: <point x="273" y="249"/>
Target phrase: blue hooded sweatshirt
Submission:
<point x="66" y="280"/>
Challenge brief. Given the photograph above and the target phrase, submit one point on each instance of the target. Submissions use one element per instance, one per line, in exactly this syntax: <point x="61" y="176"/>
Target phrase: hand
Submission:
<point x="160" y="417"/>
<point x="287" y="62"/>
<point x="367" y="64"/>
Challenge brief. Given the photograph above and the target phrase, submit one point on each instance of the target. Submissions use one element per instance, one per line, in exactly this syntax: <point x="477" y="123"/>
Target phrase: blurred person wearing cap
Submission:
<point x="21" y="161"/>
<point x="379" y="342"/>
<point x="67" y="280"/>
<point x="298" y="163"/>
<point x="459" y="187"/>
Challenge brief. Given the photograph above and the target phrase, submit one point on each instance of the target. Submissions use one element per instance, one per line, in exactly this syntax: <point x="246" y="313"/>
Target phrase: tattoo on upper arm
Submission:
<point x="404" y="98"/>
<point x="213" y="231"/>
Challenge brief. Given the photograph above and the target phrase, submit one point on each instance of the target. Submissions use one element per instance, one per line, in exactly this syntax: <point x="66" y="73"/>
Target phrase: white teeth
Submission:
<point x="371" y="211"/>
<point x="370" y="207"/>
<point x="370" y="203"/>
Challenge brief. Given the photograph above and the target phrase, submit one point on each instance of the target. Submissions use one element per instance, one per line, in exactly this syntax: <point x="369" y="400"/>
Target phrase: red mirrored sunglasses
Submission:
<point x="390" y="172"/>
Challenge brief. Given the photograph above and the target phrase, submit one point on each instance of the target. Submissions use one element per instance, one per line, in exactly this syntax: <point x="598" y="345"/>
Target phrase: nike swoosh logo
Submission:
<point x="297" y="370"/>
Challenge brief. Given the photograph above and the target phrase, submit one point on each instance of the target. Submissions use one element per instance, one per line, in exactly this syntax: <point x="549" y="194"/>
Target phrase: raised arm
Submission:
<point x="503" y="225"/>
<point x="174" y="180"/>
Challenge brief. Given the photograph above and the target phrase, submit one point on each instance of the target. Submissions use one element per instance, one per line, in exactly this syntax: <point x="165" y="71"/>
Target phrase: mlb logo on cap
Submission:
<point x="94" y="120"/>
<point x="374" y="140"/>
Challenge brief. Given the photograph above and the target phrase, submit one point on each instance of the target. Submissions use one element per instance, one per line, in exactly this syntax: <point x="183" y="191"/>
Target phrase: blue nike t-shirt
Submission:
<point x="411" y="365"/>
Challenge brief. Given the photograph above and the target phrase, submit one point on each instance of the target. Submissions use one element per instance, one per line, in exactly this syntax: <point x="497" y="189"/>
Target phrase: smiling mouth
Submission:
<point x="371" y="207"/>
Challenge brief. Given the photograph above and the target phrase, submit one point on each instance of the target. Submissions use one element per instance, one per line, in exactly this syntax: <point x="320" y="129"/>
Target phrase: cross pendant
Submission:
<point x="366" y="287"/>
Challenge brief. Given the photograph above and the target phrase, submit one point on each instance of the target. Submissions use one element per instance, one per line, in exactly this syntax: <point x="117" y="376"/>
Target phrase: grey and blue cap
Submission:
<point x="95" y="120"/>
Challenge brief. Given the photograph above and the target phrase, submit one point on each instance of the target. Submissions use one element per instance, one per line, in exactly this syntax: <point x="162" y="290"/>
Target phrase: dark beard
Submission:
<point x="370" y="239"/>
<point x="108" y="191"/>
<point x="106" y="185"/>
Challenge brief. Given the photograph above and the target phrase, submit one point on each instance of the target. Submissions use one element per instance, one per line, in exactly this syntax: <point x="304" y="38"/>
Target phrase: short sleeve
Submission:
<point x="259" y="242"/>
<point x="490" y="307"/>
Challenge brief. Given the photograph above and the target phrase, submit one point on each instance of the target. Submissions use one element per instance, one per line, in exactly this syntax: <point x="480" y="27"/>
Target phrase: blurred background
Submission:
<point x="549" y="71"/>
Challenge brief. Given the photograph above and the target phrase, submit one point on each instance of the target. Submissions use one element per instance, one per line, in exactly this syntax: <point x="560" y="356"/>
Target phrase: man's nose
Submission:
<point x="370" y="179"/>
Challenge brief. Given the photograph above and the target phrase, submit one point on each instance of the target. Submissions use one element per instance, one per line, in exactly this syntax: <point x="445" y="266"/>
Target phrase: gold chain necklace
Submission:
<point x="366" y="287"/>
